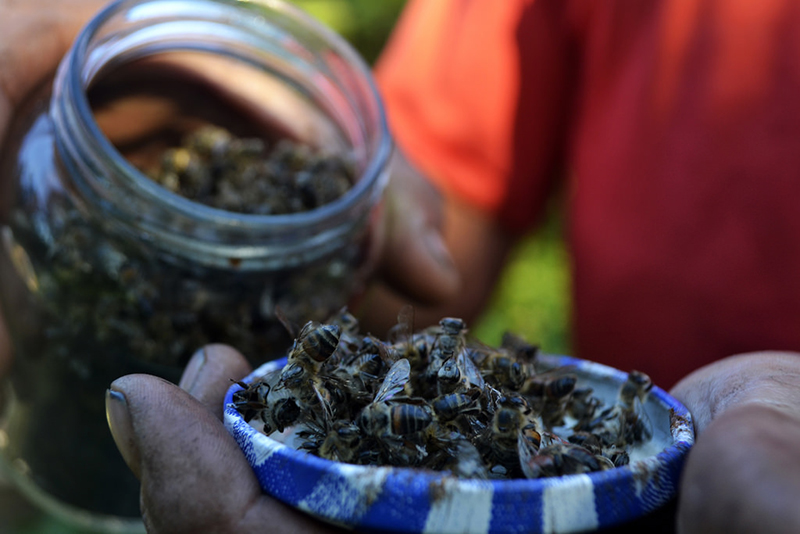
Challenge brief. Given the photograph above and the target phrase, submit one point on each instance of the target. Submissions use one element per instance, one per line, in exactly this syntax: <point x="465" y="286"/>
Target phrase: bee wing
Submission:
<point x="383" y="351"/>
<point x="327" y="411"/>
<point x="290" y="327"/>
<point x="479" y="351"/>
<point x="550" y="439"/>
<point x="493" y="394"/>
<point x="470" y="370"/>
<point x="526" y="451"/>
<point x="523" y="351"/>
<point x="346" y="320"/>
<point x="402" y="331"/>
<point x="309" y="327"/>
<point x="556" y="372"/>
<point x="644" y="419"/>
<point x="394" y="382"/>
<point x="405" y="317"/>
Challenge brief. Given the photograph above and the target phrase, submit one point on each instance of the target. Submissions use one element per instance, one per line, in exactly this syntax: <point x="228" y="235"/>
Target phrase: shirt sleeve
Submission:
<point x="477" y="94"/>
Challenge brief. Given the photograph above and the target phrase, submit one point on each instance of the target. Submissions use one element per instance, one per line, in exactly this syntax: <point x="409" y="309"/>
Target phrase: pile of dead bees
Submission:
<point x="436" y="399"/>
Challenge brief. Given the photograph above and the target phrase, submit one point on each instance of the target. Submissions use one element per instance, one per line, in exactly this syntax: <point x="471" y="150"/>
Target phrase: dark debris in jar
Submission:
<point x="102" y="292"/>
<point x="252" y="176"/>
<point x="438" y="399"/>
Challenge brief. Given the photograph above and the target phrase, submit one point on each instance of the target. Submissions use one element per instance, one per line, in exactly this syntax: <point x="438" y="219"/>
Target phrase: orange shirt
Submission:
<point x="673" y="124"/>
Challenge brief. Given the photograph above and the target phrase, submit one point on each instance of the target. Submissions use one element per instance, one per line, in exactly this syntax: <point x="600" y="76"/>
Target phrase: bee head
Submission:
<point x="292" y="375"/>
<point x="452" y="325"/>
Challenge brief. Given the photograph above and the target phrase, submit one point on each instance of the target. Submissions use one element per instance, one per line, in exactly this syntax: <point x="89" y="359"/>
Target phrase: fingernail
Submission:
<point x="438" y="250"/>
<point x="190" y="375"/>
<point x="119" y="422"/>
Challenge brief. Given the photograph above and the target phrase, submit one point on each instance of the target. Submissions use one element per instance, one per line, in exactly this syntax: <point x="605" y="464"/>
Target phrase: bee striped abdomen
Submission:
<point x="409" y="418"/>
<point x="320" y="342"/>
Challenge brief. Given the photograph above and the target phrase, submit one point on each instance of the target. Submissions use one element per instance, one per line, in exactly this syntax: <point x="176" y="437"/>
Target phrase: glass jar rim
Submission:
<point x="371" y="179"/>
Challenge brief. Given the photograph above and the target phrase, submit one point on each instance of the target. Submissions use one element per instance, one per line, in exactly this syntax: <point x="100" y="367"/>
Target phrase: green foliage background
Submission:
<point x="531" y="298"/>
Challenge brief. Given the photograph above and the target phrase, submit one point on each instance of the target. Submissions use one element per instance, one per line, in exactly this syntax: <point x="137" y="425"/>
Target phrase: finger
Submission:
<point x="416" y="260"/>
<point x="480" y="247"/>
<point x="210" y="373"/>
<point x="767" y="378"/>
<point x="742" y="475"/>
<point x="194" y="476"/>
<point x="35" y="37"/>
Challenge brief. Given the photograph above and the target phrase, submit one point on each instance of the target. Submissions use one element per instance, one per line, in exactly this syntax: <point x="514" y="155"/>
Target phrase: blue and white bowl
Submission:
<point x="392" y="499"/>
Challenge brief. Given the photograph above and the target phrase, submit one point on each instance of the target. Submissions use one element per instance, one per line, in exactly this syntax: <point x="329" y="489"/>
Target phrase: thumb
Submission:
<point x="194" y="476"/>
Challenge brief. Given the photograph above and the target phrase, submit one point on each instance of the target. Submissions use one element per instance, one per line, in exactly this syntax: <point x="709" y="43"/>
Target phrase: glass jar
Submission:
<point x="104" y="273"/>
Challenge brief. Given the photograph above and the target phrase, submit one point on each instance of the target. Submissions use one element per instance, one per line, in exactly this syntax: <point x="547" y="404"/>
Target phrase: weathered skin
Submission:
<point x="194" y="477"/>
<point x="743" y="474"/>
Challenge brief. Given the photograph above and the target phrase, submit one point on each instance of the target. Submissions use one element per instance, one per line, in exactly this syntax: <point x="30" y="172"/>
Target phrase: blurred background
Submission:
<point x="532" y="298"/>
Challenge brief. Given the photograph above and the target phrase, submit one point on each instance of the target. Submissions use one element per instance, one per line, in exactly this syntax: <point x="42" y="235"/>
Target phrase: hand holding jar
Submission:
<point x="106" y="274"/>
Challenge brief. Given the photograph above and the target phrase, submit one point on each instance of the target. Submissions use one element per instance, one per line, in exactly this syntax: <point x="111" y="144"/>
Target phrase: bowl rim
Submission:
<point x="666" y="464"/>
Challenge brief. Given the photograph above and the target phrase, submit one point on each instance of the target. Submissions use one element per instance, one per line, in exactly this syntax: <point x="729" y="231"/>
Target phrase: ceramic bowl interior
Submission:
<point x="391" y="499"/>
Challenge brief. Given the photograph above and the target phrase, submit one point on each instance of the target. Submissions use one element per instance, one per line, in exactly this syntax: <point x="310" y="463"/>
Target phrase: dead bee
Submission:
<point x="342" y="443"/>
<point x="522" y="351"/>
<point x="451" y="340"/>
<point x="360" y="373"/>
<point x="346" y="321"/>
<point x="550" y="394"/>
<point x="385" y="418"/>
<point x="635" y="388"/>
<point x="339" y="442"/>
<point x="448" y="342"/>
<point x="449" y="406"/>
<point x="561" y="458"/>
<point x="458" y="374"/>
<point x="314" y="344"/>
<point x="582" y="406"/>
<point x="450" y="360"/>
<point x="557" y="393"/>
<point x="626" y="422"/>
<point x="501" y="370"/>
<point x="607" y="457"/>
<point x="449" y="377"/>
<point x="343" y="395"/>
<point x="461" y="458"/>
<point x="618" y="458"/>
<point x="401" y="339"/>
<point x="302" y="381"/>
<point x="251" y="399"/>
<point x="512" y="419"/>
<point x="348" y="328"/>
<point x="460" y="413"/>
<point x="261" y="403"/>
<point x="586" y="440"/>
<point x="281" y="413"/>
<point x="632" y="395"/>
